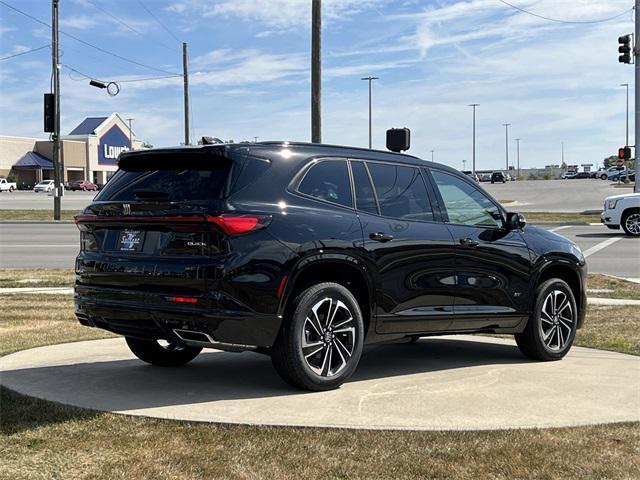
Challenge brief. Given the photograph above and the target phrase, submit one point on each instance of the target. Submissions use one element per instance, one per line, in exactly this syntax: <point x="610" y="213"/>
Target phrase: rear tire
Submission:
<point x="170" y="355"/>
<point x="551" y="328"/>
<point x="631" y="222"/>
<point x="320" y="343"/>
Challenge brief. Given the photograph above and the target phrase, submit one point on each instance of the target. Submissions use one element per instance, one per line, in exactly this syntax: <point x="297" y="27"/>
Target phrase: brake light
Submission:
<point x="183" y="299"/>
<point x="236" y="224"/>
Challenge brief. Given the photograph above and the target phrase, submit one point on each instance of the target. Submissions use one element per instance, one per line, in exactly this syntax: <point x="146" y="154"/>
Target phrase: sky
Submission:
<point x="249" y="63"/>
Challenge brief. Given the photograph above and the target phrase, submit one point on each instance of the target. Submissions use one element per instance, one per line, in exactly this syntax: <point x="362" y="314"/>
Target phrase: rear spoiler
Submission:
<point x="201" y="158"/>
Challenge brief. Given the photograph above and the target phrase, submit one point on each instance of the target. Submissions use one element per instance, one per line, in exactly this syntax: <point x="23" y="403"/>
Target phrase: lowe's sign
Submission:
<point x="112" y="143"/>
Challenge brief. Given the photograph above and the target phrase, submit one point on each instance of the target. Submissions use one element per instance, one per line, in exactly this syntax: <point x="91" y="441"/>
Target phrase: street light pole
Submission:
<point x="55" y="52"/>
<point x="636" y="61"/>
<point x="474" y="105"/>
<point x="432" y="151"/>
<point x="506" y="145"/>
<point x="316" y="71"/>
<point x="369" y="80"/>
<point x="518" y="156"/>
<point x="626" y="143"/>
<point x="185" y="82"/>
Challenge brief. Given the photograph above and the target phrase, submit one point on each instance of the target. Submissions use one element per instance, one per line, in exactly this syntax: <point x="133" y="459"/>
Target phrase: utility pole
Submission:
<point x="506" y="145"/>
<point x="518" y="157"/>
<point x="562" y="152"/>
<point x="464" y="164"/>
<point x="370" y="79"/>
<point x="626" y="143"/>
<point x="185" y="78"/>
<point x="316" y="71"/>
<point x="129" y="120"/>
<point x="255" y="139"/>
<point x="474" y="105"/>
<point x="55" y="52"/>
<point x="636" y="57"/>
<point x="432" y="151"/>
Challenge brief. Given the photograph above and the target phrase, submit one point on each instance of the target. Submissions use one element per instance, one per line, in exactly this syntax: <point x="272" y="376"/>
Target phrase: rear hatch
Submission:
<point x="159" y="225"/>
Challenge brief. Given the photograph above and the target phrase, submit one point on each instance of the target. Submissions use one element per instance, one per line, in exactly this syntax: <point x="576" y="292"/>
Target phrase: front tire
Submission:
<point x="631" y="222"/>
<point x="169" y="354"/>
<point x="551" y="328"/>
<point x="320" y="343"/>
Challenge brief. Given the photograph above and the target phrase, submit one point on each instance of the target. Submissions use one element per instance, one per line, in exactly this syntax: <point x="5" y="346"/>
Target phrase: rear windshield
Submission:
<point x="201" y="177"/>
<point x="168" y="177"/>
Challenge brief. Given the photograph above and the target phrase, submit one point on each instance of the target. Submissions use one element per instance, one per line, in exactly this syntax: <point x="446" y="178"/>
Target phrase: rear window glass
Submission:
<point x="328" y="180"/>
<point x="168" y="177"/>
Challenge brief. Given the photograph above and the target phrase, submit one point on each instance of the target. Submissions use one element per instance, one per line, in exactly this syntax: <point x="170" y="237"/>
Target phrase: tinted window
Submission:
<point x="365" y="198"/>
<point x="401" y="192"/>
<point x="165" y="185"/>
<point x="328" y="180"/>
<point x="465" y="204"/>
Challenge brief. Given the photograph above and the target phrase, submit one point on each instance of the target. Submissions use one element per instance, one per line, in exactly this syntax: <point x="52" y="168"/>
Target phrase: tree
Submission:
<point x="146" y="145"/>
<point x="610" y="161"/>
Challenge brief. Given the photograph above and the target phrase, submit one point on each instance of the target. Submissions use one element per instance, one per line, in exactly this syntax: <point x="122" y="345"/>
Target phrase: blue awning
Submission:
<point x="33" y="160"/>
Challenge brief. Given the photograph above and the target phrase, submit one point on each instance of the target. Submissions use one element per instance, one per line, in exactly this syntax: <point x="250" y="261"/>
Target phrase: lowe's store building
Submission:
<point x="89" y="152"/>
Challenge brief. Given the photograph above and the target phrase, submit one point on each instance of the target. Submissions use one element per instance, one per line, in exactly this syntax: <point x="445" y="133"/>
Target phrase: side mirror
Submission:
<point x="515" y="221"/>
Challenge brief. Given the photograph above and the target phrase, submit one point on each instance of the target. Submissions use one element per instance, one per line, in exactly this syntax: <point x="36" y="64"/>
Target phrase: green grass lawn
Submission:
<point x="26" y="214"/>
<point x="559" y="217"/>
<point x="40" y="439"/>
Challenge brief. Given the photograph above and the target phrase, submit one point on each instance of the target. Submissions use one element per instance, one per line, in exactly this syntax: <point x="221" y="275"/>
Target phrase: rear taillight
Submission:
<point x="182" y="299"/>
<point x="237" y="224"/>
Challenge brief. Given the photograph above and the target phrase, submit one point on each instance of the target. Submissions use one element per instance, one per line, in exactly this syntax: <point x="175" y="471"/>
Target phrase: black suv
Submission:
<point x="498" y="177"/>
<point x="307" y="252"/>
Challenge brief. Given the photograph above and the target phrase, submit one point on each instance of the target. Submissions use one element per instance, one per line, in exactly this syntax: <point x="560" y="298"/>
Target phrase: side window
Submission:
<point x="401" y="192"/>
<point x="365" y="198"/>
<point x="328" y="180"/>
<point x="465" y="204"/>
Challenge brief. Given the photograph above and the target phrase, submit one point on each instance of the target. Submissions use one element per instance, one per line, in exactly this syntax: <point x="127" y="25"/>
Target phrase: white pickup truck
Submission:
<point x="7" y="186"/>
<point x="622" y="211"/>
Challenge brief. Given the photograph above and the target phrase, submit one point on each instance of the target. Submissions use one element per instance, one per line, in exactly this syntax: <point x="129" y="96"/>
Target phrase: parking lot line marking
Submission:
<point x="560" y="228"/>
<point x="596" y="248"/>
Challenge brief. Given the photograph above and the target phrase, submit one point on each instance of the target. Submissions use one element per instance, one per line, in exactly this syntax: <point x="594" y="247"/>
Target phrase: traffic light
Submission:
<point x="49" y="120"/>
<point x="624" y="153"/>
<point x="625" y="49"/>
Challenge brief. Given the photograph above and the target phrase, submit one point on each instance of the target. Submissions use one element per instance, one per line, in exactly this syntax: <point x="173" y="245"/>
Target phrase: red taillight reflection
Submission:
<point x="183" y="299"/>
<point x="233" y="225"/>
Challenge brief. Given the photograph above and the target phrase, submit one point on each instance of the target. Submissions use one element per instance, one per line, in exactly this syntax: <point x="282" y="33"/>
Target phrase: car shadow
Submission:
<point x="123" y="385"/>
<point x="600" y="235"/>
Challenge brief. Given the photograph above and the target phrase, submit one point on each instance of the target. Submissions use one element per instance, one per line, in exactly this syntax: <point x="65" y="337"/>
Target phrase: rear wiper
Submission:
<point x="150" y="194"/>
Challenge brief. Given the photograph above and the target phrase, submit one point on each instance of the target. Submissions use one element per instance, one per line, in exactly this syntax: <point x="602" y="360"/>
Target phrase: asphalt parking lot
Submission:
<point x="24" y="245"/>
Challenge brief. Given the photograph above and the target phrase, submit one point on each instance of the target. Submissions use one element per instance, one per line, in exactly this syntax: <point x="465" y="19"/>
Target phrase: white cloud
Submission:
<point x="78" y="22"/>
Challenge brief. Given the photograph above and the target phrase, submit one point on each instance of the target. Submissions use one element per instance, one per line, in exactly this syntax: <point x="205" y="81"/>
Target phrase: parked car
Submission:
<point x="603" y="173"/>
<point x="622" y="211"/>
<point x="471" y="175"/>
<point x="44" y="186"/>
<point x="498" y="177"/>
<point x="621" y="175"/>
<point x="7" y="186"/>
<point x="576" y="176"/>
<point x="485" y="177"/>
<point x="81" y="185"/>
<point x="307" y="252"/>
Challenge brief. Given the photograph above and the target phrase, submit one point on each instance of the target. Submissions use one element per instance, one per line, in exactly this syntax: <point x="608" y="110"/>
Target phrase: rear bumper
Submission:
<point x="151" y="315"/>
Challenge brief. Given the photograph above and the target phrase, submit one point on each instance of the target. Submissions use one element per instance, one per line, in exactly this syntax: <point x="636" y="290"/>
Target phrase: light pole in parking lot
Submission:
<point x="506" y="146"/>
<point x="626" y="143"/>
<point x="518" y="158"/>
<point x="370" y="79"/>
<point x="432" y="157"/>
<point x="473" y="163"/>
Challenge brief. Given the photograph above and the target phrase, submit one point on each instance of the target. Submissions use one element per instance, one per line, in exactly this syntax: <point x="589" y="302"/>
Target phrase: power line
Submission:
<point x="602" y="20"/>
<point x="107" y="52"/>
<point x="159" y="22"/>
<point x="90" y="77"/>
<point x="125" y="24"/>
<point x="24" y="53"/>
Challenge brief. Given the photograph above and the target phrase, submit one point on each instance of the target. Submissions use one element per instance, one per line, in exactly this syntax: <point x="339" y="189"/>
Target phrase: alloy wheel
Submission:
<point x="557" y="320"/>
<point x="328" y="337"/>
<point x="633" y="223"/>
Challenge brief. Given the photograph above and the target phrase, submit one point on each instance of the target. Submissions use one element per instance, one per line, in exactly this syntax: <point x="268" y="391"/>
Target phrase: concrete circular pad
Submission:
<point x="440" y="383"/>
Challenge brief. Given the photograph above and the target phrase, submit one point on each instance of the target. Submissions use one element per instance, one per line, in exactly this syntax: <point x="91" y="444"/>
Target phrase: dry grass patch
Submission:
<point x="39" y="277"/>
<point x="27" y="214"/>
<point x="614" y="328"/>
<point x="559" y="217"/>
<point x="29" y="321"/>
<point x="43" y="440"/>
<point x="619" y="288"/>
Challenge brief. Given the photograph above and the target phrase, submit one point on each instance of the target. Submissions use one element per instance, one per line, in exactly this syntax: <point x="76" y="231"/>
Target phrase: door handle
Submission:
<point x="380" y="237"/>
<point x="469" y="242"/>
